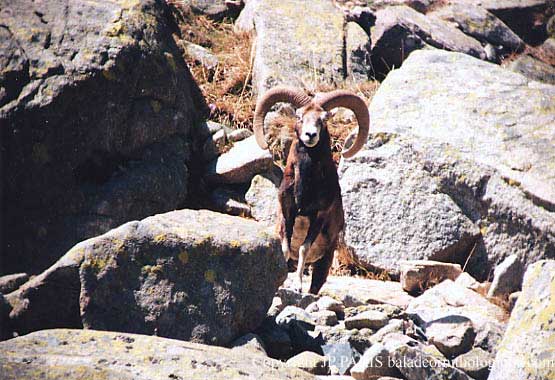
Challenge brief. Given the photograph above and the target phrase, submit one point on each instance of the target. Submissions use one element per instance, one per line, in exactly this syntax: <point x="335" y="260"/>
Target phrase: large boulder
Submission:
<point x="528" y="18"/>
<point x="534" y="69"/>
<point x="81" y="354"/>
<point x="482" y="25"/>
<point x="98" y="112"/>
<point x="526" y="351"/>
<point x="454" y="136"/>
<point x="310" y="53"/>
<point x="190" y="275"/>
<point x="399" y="30"/>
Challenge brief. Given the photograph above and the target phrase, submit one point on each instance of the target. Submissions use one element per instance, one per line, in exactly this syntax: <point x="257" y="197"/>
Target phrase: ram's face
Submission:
<point x="310" y="124"/>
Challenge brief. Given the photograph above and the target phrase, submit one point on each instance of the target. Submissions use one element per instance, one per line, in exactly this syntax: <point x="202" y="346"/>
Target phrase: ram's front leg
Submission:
<point x="288" y="216"/>
<point x="316" y="222"/>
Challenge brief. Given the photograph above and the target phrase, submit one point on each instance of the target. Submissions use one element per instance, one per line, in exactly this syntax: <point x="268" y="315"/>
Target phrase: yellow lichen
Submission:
<point x="210" y="275"/>
<point x="156" y="105"/>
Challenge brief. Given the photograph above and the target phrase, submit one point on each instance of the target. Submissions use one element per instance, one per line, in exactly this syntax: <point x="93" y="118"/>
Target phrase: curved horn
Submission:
<point x="295" y="96"/>
<point x="347" y="99"/>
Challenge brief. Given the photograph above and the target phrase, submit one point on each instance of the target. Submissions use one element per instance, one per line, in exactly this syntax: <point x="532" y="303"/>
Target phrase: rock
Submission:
<point x="373" y="364"/>
<point x="294" y="313"/>
<point x="419" y="275"/>
<point x="534" y="69"/>
<point x="527" y="18"/>
<point x="239" y="134"/>
<point x="229" y="201"/>
<point x="475" y="363"/>
<point x="103" y="136"/>
<point x="410" y="362"/>
<point x="391" y="311"/>
<point x="395" y="210"/>
<point x="219" y="138"/>
<point x="501" y="177"/>
<point x="357" y="291"/>
<point x="526" y="351"/>
<point x="174" y="275"/>
<point x="328" y="303"/>
<point x="309" y="362"/>
<point x="240" y="164"/>
<point x="358" y="52"/>
<point x="250" y="342"/>
<point x="214" y="9"/>
<point x="203" y="266"/>
<point x="276" y="340"/>
<point x="450" y="299"/>
<point x="482" y="25"/>
<point x="489" y="336"/>
<point x="293" y="297"/>
<point x="453" y="335"/>
<point x="276" y="307"/>
<point x="201" y="56"/>
<point x="262" y="197"/>
<point x="309" y="56"/>
<point x="399" y="30"/>
<point x="5" y="328"/>
<point x="325" y="317"/>
<point x="513" y="297"/>
<point x="507" y="277"/>
<point x="11" y="282"/>
<point x="394" y="326"/>
<point x="466" y="280"/>
<point x="341" y="356"/>
<point x="371" y="319"/>
<point x="550" y="27"/>
<point x="106" y="355"/>
<point x="214" y="127"/>
<point x="358" y="340"/>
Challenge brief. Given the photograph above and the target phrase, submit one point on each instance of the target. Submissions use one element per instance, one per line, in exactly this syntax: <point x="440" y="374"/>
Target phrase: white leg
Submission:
<point x="285" y="249"/>
<point x="300" y="266"/>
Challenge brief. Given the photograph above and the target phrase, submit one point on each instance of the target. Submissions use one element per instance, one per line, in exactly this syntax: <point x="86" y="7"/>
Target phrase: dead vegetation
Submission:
<point x="227" y="87"/>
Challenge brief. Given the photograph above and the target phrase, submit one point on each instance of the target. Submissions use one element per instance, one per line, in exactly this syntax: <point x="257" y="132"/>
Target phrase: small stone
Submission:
<point x="310" y="362"/>
<point x="240" y="164"/>
<point x="374" y="363"/>
<point x="201" y="55"/>
<point x="507" y="277"/>
<point x="294" y="313"/>
<point x="238" y="135"/>
<point x="276" y="307"/>
<point x="466" y="280"/>
<point x="250" y="342"/>
<point x="476" y="363"/>
<point x="325" y="317"/>
<point x="262" y="197"/>
<point x="328" y="303"/>
<point x="341" y="356"/>
<point x="371" y="319"/>
<point x="292" y="297"/>
<point x="313" y="307"/>
<point x="394" y="326"/>
<point x="452" y="335"/>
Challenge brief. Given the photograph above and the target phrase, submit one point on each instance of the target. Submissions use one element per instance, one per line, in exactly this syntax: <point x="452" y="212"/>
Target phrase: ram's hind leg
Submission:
<point x="320" y="270"/>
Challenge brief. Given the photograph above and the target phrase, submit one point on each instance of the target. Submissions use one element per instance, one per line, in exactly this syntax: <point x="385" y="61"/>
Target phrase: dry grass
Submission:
<point x="227" y="88"/>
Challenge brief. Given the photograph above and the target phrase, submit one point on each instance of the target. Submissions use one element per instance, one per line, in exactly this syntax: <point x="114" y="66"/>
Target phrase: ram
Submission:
<point x="310" y="216"/>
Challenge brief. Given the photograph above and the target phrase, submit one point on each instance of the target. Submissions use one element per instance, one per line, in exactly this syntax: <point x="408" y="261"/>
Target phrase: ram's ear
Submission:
<point x="324" y="116"/>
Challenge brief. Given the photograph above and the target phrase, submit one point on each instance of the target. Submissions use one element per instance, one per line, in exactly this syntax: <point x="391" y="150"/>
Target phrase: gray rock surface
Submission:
<point x="88" y="354"/>
<point x="507" y="277"/>
<point x="475" y="363"/>
<point x="250" y="342"/>
<point x="213" y="9"/>
<point x="373" y="364"/>
<point x="304" y="57"/>
<point x="533" y="69"/>
<point x="492" y="162"/>
<point x="262" y="197"/>
<point x="449" y="299"/>
<point x="395" y="211"/>
<point x="100" y="113"/>
<point x="371" y="319"/>
<point x="399" y="30"/>
<point x="310" y="362"/>
<point x="180" y="274"/>
<point x="240" y="164"/>
<point x="453" y="335"/>
<point x="526" y="351"/>
<point x="201" y="56"/>
<point x="482" y="25"/>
